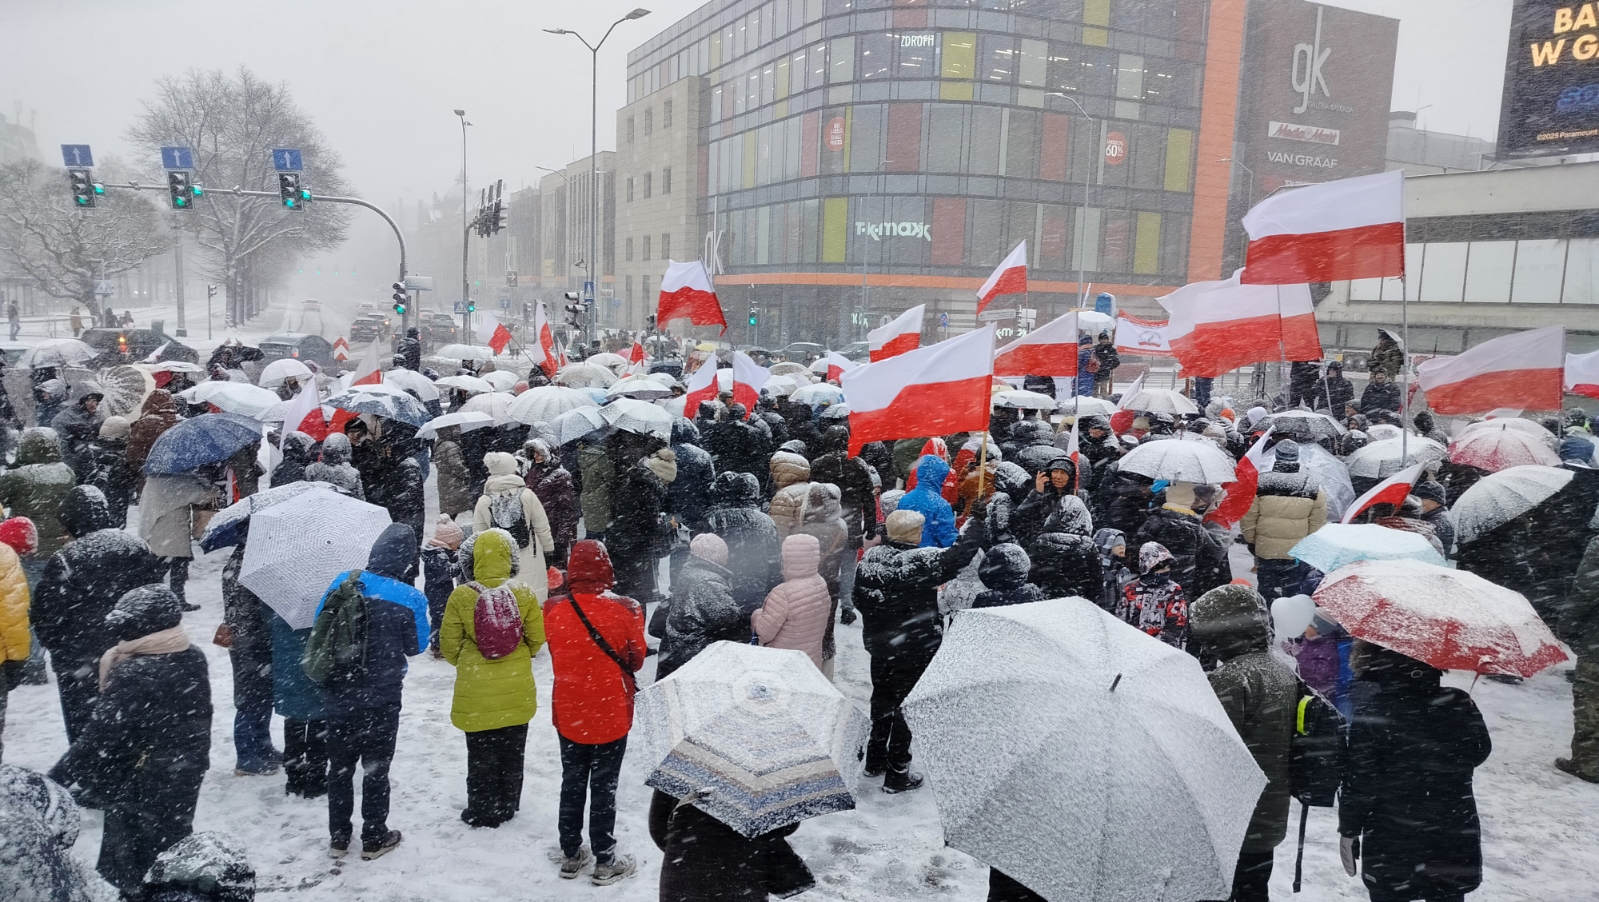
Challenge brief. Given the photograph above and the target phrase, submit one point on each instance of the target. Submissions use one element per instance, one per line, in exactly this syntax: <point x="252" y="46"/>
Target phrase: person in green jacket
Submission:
<point x="494" y="692"/>
<point x="35" y="488"/>
<point x="598" y="476"/>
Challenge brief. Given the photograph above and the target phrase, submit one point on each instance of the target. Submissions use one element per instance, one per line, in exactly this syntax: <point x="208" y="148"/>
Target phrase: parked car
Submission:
<point x="858" y="351"/>
<point x="299" y="346"/>
<point x="370" y="327"/>
<point x="802" y="352"/>
<point x="118" y="346"/>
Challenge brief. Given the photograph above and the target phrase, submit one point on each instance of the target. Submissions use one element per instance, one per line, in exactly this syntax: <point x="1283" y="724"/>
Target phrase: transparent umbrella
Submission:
<point x="641" y="417"/>
<point x="584" y="375"/>
<point x="574" y="424"/>
<point x="1500" y="497"/>
<point x="277" y="372"/>
<point x="1185" y="458"/>
<point x="57" y="352"/>
<point x="545" y="403"/>
<point x="1160" y="400"/>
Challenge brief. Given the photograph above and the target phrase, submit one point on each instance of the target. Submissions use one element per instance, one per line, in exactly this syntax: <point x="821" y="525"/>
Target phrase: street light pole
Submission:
<point x="595" y="271"/>
<point x="466" y="291"/>
<point x="1088" y="170"/>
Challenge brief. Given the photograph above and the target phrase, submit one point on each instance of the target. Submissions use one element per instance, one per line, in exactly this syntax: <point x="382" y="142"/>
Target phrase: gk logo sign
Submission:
<point x="1307" y="81"/>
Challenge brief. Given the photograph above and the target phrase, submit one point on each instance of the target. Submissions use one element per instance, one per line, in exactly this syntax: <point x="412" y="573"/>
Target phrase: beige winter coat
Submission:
<point x="796" y="613"/>
<point x="788" y="469"/>
<point x="1282" y="515"/>
<point x="531" y="559"/>
<point x="788" y="508"/>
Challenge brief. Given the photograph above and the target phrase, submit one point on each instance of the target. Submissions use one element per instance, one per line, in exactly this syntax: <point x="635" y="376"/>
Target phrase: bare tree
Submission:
<point x="233" y="123"/>
<point x="62" y="249"/>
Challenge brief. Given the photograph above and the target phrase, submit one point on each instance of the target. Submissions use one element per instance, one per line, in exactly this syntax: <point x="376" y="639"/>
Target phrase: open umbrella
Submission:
<point x="1382" y="459"/>
<point x="584" y="375"/>
<point x="1382" y="432"/>
<point x="124" y="389"/>
<point x="464" y="352"/>
<point x="174" y="366"/>
<point x="297" y="547"/>
<point x="1451" y="619"/>
<point x="1500" y="497"/>
<point x="759" y="739"/>
<point x="277" y="372"/>
<point x="412" y="381"/>
<point x="234" y="397"/>
<point x="226" y="527"/>
<point x="783" y="386"/>
<point x="641" y="387"/>
<point x="1303" y="424"/>
<point x="1123" y="747"/>
<point x="501" y="380"/>
<point x="201" y="440"/>
<point x="384" y="401"/>
<point x="576" y="423"/>
<point x="545" y="403"/>
<point x="606" y="359"/>
<point x="495" y="404"/>
<point x="1023" y="400"/>
<point x="1500" y="448"/>
<point x="1516" y="424"/>
<point x="1160" y="400"/>
<point x="641" y="417"/>
<point x="57" y="352"/>
<point x="1094" y="322"/>
<point x="1328" y="470"/>
<point x="1184" y="458"/>
<point x="468" y="420"/>
<point x="818" y="395"/>
<point x="835" y="412"/>
<point x="1338" y="545"/>
<point x="1085" y="406"/>
<point x="472" y="385"/>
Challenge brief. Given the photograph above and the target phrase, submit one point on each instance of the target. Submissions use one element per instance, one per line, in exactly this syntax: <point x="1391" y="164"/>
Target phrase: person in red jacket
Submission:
<point x="596" y="641"/>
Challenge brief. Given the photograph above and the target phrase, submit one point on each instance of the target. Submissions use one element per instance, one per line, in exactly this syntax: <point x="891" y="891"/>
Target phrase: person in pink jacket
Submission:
<point x="795" y="614"/>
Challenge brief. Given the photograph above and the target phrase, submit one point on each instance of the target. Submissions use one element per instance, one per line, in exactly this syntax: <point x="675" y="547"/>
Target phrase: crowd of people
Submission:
<point x="750" y="526"/>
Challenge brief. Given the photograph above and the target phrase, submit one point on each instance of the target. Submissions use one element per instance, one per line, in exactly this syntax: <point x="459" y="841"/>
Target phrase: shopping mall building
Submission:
<point x="840" y="160"/>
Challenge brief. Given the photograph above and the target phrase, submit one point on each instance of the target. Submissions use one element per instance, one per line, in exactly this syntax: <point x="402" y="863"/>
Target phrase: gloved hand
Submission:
<point x="1349" y="852"/>
<point x="846" y="616"/>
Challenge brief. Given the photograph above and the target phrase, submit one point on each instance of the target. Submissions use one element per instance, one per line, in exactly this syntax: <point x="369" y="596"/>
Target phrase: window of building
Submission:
<point x="843" y="59"/>
<point x="666" y="180"/>
<point x="627" y="282"/>
<point x="630" y="129"/>
<point x="876" y="50"/>
<point x="630" y="190"/>
<point x="666" y="245"/>
<point x="666" y="114"/>
<point x="646" y="256"/>
<point x="918" y="56"/>
<point x="996" y="57"/>
<point x="1034" y="61"/>
<point x="627" y="251"/>
<point x="649" y="122"/>
<point x="648" y="178"/>
<point x="1540" y="266"/>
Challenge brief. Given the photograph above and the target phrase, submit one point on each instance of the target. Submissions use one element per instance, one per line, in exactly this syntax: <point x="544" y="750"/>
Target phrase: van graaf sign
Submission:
<point x="877" y="231"/>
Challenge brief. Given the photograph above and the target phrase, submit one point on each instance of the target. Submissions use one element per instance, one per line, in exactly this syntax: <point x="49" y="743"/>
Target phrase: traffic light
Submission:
<point x="400" y="298"/>
<point x="510" y="278"/>
<point x="289" y="189"/>
<point x="471" y="306"/>
<point x="181" y="191"/>
<point x="83" y="188"/>
<point x="210" y="292"/>
<point x="754" y="320"/>
<point x="574" y="310"/>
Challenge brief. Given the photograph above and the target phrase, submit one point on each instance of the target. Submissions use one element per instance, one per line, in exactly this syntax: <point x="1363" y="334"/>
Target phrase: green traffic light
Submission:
<point x="83" y="200"/>
<point x="198" y="191"/>
<point x="99" y="188"/>
<point x="180" y="202"/>
<point x="305" y="193"/>
<point x="288" y="201"/>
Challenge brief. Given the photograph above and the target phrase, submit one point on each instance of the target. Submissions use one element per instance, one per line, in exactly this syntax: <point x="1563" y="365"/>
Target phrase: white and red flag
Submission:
<point x="686" y="293"/>
<point x="936" y="390"/>
<point x="838" y="365"/>
<point x="901" y="335"/>
<point x="701" y="388"/>
<point x="370" y="370"/>
<point x="749" y="378"/>
<point x="1582" y="374"/>
<point x="491" y="331"/>
<point x="1523" y="369"/>
<point x="637" y="360"/>
<point x="1347" y="229"/>
<point x="1241" y="491"/>
<point x="1049" y="350"/>
<point x="1217" y="327"/>
<point x="1010" y="277"/>
<point x="1122" y="419"/>
<point x="1142" y="336"/>
<point x="1392" y="490"/>
<point x="543" y="351"/>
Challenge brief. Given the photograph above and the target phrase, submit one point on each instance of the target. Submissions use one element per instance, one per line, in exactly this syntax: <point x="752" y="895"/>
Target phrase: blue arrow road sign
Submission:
<point x="177" y="158"/>
<point x="286" y="159"/>
<point x="76" y="155"/>
<point x="943" y="320"/>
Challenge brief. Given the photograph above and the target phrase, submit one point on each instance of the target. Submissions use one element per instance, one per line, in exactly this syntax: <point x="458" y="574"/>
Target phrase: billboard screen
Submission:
<point x="1551" y="100"/>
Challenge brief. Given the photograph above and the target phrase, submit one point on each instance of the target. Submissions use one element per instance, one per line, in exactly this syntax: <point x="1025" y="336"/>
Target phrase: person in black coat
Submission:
<point x="1381" y="394"/>
<point x="409" y="350"/>
<point x="705" y="860"/>
<point x="81" y="584"/>
<point x="1332" y="392"/>
<point x="1406" y="807"/>
<point x="1052" y="498"/>
<point x="1066" y="564"/>
<point x="753" y="548"/>
<point x="637" y="532"/>
<point x="296" y="457"/>
<point x="688" y="497"/>
<point x="734" y="445"/>
<point x="249" y="644"/>
<point x="1199" y="560"/>
<point x="1034" y="443"/>
<point x="148" y="745"/>
<point x="1123" y="499"/>
<point x="1004" y="573"/>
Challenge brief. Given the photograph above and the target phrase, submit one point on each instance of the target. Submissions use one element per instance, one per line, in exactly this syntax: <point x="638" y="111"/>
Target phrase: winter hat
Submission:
<point x="708" y="546"/>
<point x="554" y="577"/>
<point x="1152" y="556"/>
<point x="793" y="446"/>
<point x="84" y="510"/>
<point x="1576" y="450"/>
<point x="588" y="570"/>
<point x="20" y="534"/>
<point x="1255" y="415"/>
<point x="1427" y="490"/>
<point x="145" y="610"/>
<point x="210" y="866"/>
<point x="1107" y="540"/>
<point x="905" y="527"/>
<point x="1141" y="424"/>
<point x="519" y="387"/>
<point x="1287" y="451"/>
<point x="1227" y="614"/>
<point x="114" y="428"/>
<point x="1180" y="494"/>
<point x="889" y="501"/>
<point x="1005" y="566"/>
<point x="663" y="464"/>
<point x="446" y="534"/>
<point x="500" y="463"/>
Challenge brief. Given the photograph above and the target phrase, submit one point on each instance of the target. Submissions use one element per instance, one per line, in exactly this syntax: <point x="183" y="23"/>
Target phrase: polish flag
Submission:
<point x="1050" y="350"/>
<point x="543" y="353"/>
<point x="1122" y="419"/>
<point x="302" y="407"/>
<point x="1392" y="490"/>
<point x="1142" y="336"/>
<point x="838" y="365"/>
<point x="749" y="378"/>
<point x="636" y="359"/>
<point x="936" y="390"/>
<point x="901" y="335"/>
<point x="370" y="370"/>
<point x="1522" y="369"/>
<point x="1582" y="374"/>
<point x="1217" y="327"/>
<point x="701" y="388"/>
<point x="492" y="332"/>
<point x="1241" y="491"/>
<point x="686" y="293"/>
<point x="1348" y="229"/>
<point x="1010" y="277"/>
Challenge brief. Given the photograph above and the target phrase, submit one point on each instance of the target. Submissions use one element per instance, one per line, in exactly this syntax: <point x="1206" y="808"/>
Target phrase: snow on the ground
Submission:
<point x="1540" y="826"/>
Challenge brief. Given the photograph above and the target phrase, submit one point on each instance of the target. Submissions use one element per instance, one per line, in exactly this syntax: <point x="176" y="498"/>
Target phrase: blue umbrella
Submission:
<point x="1338" y="545"/>
<point x="384" y="401"/>
<point x="205" y="439"/>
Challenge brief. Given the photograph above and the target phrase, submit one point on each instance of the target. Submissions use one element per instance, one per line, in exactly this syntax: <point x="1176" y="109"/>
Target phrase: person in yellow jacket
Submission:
<point x="17" y="537"/>
<point x="492" y="651"/>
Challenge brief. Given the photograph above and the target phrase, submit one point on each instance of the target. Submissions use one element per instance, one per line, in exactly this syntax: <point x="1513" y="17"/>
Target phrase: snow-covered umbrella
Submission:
<point x="412" y="381"/>
<point x="226" y="527"/>
<point x="1094" y="322"/>
<point x="123" y="390"/>
<point x="835" y="412"/>
<point x="545" y="403"/>
<point x="472" y="385"/>
<point x="1451" y="619"/>
<point x="174" y="366"/>
<point x="1498" y="498"/>
<point x="501" y="380"/>
<point x="495" y="404"/>
<point x="640" y="417"/>
<point x="1160" y="400"/>
<point x="818" y="395"/>
<point x="584" y="375"/>
<point x="1382" y="432"/>
<point x="606" y="359"/>
<point x="753" y="736"/>
<point x="385" y="401"/>
<point x="465" y="352"/>
<point x="1516" y="424"/>
<point x="783" y="386"/>
<point x="790" y="368"/>
<point x="1023" y="400"/>
<point x="1085" y="406"/>
<point x="1185" y="457"/>
<point x="1494" y="449"/>
<point x="467" y="420"/>
<point x="1382" y="459"/>
<point x="1303" y="424"/>
<point x="298" y="546"/>
<point x="1123" y="747"/>
<point x="57" y="352"/>
<point x="576" y="423"/>
<point x="1328" y="470"/>
<point x="234" y="397"/>
<point x="278" y="372"/>
<point x="200" y="440"/>
<point x="1338" y="545"/>
<point x="641" y="387"/>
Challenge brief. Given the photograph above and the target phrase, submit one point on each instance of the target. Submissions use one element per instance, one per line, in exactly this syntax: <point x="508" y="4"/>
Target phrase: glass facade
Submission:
<point x="921" y="138"/>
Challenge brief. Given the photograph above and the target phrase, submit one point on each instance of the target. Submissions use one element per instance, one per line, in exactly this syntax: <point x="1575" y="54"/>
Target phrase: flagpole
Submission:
<point x="982" y="466"/>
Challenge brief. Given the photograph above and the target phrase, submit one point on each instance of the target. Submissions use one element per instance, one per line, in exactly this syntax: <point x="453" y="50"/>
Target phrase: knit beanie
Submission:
<point x="446" y="534"/>
<point x="1287" y="451"/>
<point x="20" y="534"/>
<point x="663" y="464"/>
<point x="708" y="546"/>
<point x="499" y="463"/>
<point x="889" y="500"/>
<point x="905" y="527"/>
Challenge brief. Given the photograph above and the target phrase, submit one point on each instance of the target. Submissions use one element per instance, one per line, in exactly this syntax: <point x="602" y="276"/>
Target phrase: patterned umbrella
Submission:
<point x="576" y="423"/>
<point x="384" y="401"/>
<point x="757" y="736"/>
<point x="298" y="546"/>
<point x="227" y="526"/>
<point x="201" y="440"/>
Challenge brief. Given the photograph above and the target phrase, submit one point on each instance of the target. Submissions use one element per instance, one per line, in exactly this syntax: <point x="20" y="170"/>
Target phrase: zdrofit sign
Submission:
<point x="1551" y="100"/>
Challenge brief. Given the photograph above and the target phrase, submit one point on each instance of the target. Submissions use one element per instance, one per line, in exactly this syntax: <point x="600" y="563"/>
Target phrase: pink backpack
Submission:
<point x="497" y="621"/>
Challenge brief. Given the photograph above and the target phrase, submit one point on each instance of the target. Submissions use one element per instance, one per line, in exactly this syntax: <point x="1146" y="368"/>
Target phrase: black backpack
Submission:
<point x="1315" y="759"/>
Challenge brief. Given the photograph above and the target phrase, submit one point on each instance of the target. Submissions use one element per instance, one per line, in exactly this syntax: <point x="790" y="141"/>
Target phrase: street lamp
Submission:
<point x="594" y="148"/>
<point x="1088" y="169"/>
<point x="466" y="291"/>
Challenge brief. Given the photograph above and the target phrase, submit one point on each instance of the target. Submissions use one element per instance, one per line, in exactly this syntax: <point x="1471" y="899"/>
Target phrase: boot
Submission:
<point x="1566" y="765"/>
<point x="389" y="842"/>
<point x="898" y="781"/>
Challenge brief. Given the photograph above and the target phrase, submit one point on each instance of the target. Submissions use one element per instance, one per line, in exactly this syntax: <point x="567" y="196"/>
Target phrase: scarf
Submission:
<point x="160" y="642"/>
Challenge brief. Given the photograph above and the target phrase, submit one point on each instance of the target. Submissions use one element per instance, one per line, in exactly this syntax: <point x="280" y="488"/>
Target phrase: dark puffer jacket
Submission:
<point x="1067" y="565"/>
<point x="751" y="536"/>
<point x="1199" y="561"/>
<point x="896" y="591"/>
<point x="704" y="860"/>
<point x="1011" y="487"/>
<point x="854" y="481"/>
<point x="1004" y="575"/>
<point x="553" y="485"/>
<point x="702" y="611"/>
<point x="1035" y="446"/>
<point x="83" y="581"/>
<point x="688" y="497"/>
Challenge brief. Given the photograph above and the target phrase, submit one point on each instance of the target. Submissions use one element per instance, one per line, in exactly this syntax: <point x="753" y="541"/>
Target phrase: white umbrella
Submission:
<point x="380" y="400"/>
<point x="640" y="387"/>
<point x="1160" y="400"/>
<point x="469" y="384"/>
<point x="297" y="547"/>
<point x="173" y="366"/>
<point x="1303" y="424"/>
<point x="411" y="380"/>
<point x="783" y="386"/>
<point x="1023" y="400"/>
<point x="1094" y="322"/>
<point x="495" y="404"/>
<point x="468" y="420"/>
<point x="57" y="352"/>
<point x="606" y="359"/>
<point x="233" y="397"/>
<point x="545" y="403"/>
<point x="1516" y="424"/>
<point x="1382" y="459"/>
<point x="1085" y="406"/>
<point x="584" y="375"/>
<point x="1185" y="457"/>
<point x="502" y="380"/>
<point x="818" y="394"/>
<point x="1499" y="449"/>
<point x="1381" y="432"/>
<point x="819" y="366"/>
<point x="790" y="368"/>
<point x="465" y="352"/>
<point x="277" y="372"/>
<point x="1500" y="497"/>
<point x="576" y="423"/>
<point x="1123" y="747"/>
<point x="641" y="417"/>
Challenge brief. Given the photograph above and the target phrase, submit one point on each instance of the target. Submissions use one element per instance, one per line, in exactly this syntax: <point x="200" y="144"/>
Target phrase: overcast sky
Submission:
<point x="381" y="78"/>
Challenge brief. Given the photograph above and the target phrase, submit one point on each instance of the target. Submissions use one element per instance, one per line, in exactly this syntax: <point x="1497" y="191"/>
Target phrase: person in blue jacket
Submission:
<point x="927" y="499"/>
<point x="1085" y="378"/>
